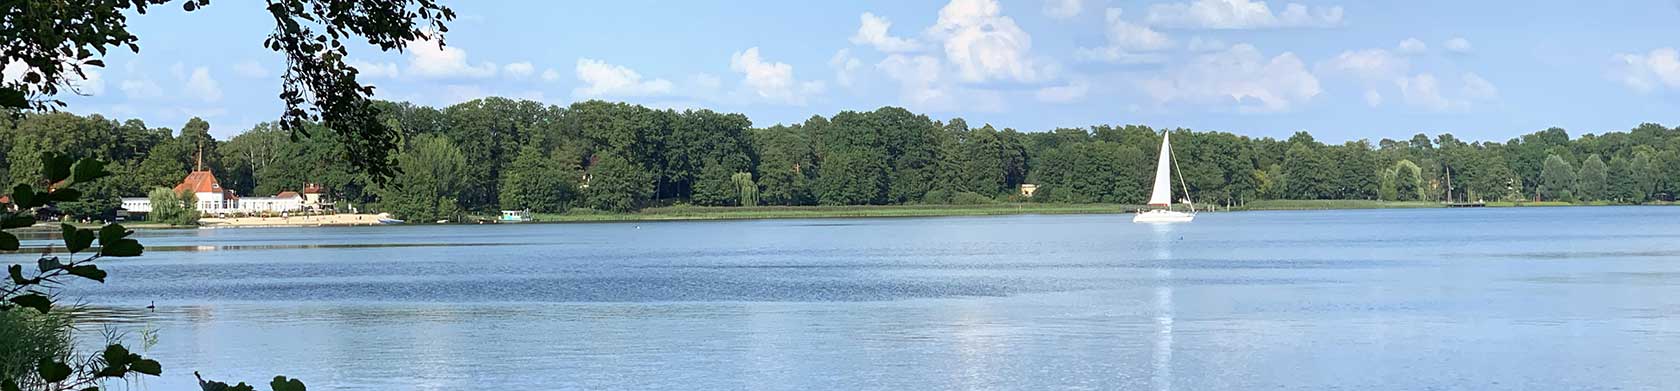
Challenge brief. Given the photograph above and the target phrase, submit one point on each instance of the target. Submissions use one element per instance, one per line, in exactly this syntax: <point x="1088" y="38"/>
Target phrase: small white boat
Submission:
<point x="1163" y="216"/>
<point x="1161" y="197"/>
<point x="385" y="218"/>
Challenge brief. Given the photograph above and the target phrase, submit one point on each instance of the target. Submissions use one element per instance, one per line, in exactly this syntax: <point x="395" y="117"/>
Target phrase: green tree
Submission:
<point x="1557" y="180"/>
<point x="1309" y="171"/>
<point x="1621" y="183"/>
<point x="170" y="207"/>
<point x="537" y="182"/>
<point x="1408" y="181"/>
<point x="748" y="191"/>
<point x="715" y="187"/>
<point x="1591" y="183"/>
<point x="786" y="165"/>
<point x="432" y="179"/>
<point x="616" y="184"/>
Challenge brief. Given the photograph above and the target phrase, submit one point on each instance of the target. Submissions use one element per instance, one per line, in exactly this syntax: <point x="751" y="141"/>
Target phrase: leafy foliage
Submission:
<point x="38" y="350"/>
<point x="170" y="207"/>
<point x="57" y="41"/>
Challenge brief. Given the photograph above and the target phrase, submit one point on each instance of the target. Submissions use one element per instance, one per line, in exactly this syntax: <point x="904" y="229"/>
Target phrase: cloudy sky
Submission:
<point x="1485" y="70"/>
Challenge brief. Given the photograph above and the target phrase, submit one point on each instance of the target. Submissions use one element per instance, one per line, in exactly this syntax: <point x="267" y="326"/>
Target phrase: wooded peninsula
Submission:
<point x="495" y="154"/>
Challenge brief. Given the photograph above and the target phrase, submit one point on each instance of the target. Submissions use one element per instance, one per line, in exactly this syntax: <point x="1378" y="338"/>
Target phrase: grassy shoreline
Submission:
<point x="692" y="213"/>
<point x="678" y="213"/>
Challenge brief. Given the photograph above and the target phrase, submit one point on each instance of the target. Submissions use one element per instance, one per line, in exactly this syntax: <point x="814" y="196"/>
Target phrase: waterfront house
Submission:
<point x="214" y="200"/>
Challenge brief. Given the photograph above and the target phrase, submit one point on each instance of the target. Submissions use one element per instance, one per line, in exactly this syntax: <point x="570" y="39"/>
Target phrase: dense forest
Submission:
<point x="491" y="154"/>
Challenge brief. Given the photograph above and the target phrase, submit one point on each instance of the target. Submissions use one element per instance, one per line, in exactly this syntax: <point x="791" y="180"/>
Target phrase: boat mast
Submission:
<point x="1183" y="184"/>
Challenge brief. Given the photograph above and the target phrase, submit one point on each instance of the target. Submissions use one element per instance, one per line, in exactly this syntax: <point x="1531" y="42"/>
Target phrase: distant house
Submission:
<point x="213" y="199"/>
<point x="1027" y="189"/>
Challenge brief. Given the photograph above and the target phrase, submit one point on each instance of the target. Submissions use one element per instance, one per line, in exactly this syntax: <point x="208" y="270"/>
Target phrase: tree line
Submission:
<point x="494" y="154"/>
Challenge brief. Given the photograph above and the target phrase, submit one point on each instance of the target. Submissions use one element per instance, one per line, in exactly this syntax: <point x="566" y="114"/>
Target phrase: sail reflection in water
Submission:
<point x="1162" y="239"/>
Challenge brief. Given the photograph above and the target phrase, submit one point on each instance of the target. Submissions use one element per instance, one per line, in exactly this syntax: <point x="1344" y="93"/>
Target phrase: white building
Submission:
<point x="215" y="200"/>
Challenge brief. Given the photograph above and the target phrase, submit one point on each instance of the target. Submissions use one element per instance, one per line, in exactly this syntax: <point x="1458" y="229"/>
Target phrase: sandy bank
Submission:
<point x="293" y="221"/>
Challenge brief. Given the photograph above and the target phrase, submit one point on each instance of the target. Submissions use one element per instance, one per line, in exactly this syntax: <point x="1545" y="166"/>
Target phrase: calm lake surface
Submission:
<point x="1537" y="298"/>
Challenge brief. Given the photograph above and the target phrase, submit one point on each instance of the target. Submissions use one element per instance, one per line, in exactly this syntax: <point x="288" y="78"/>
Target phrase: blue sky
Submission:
<point x="1340" y="69"/>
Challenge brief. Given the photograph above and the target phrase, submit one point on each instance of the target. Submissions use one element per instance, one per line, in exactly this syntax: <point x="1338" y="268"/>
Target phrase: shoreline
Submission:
<point x="702" y="213"/>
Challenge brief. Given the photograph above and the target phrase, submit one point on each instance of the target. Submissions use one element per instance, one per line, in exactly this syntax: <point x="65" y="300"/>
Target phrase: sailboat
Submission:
<point x="1161" y="197"/>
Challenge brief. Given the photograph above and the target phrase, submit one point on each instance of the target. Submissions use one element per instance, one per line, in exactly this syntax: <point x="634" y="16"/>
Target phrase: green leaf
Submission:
<point x="110" y="233"/>
<point x="23" y="196"/>
<point x="18" y="220"/>
<point x="76" y="239"/>
<point x="65" y="195"/>
<point x="147" y="366"/>
<point x="52" y="371"/>
<point x="33" y="300"/>
<point x="16" y="272"/>
<point x="116" y="356"/>
<point x="122" y="248"/>
<point x="90" y="272"/>
<point x="46" y="264"/>
<point x="281" y="383"/>
<point x="8" y="242"/>
<point x="88" y="170"/>
<point x="13" y="98"/>
<point x="57" y="166"/>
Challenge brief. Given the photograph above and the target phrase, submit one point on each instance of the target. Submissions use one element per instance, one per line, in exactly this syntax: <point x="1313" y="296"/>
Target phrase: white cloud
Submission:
<point x="373" y="70"/>
<point x="1424" y="91"/>
<point x="1125" y="40"/>
<point x="1070" y="92"/>
<point x="603" y="79"/>
<point x="1199" y="44"/>
<point x="13" y="72"/>
<point x="845" y="67"/>
<point x="1647" y="72"/>
<point x="1241" y="14"/>
<point x="1412" y="46"/>
<point x="425" y="59"/>
<point x="1477" y="88"/>
<point x="1458" y="45"/>
<point x="550" y="75"/>
<point x="1367" y="64"/>
<point x="1373" y="68"/>
<point x="1114" y="55"/>
<point x="519" y="70"/>
<point x="984" y="45"/>
<point x="92" y="82"/>
<point x="203" y="86"/>
<point x="772" y="81"/>
<point x="873" y="31"/>
<point x="1063" y="9"/>
<point x="142" y="89"/>
<point x="919" y="80"/>
<point x="925" y="86"/>
<point x="250" y="69"/>
<point x="1239" y="76"/>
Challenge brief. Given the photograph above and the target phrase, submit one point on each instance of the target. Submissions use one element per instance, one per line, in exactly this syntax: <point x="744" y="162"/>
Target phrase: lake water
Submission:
<point x="1517" y="299"/>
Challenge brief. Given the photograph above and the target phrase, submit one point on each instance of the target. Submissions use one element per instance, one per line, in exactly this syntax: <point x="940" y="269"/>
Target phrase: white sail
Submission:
<point x="1162" y="196"/>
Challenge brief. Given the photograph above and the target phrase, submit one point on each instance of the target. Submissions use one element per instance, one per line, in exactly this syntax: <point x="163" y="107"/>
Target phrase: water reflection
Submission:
<point x="1306" y="300"/>
<point x="1163" y="239"/>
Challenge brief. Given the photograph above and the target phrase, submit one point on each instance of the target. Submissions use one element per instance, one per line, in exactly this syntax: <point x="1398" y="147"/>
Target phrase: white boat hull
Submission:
<point x="1163" y="216"/>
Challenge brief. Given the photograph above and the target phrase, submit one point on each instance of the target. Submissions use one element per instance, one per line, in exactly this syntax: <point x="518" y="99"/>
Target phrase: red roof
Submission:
<point x="199" y="182"/>
<point x="287" y="194"/>
<point x="313" y="189"/>
<point x="5" y="199"/>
